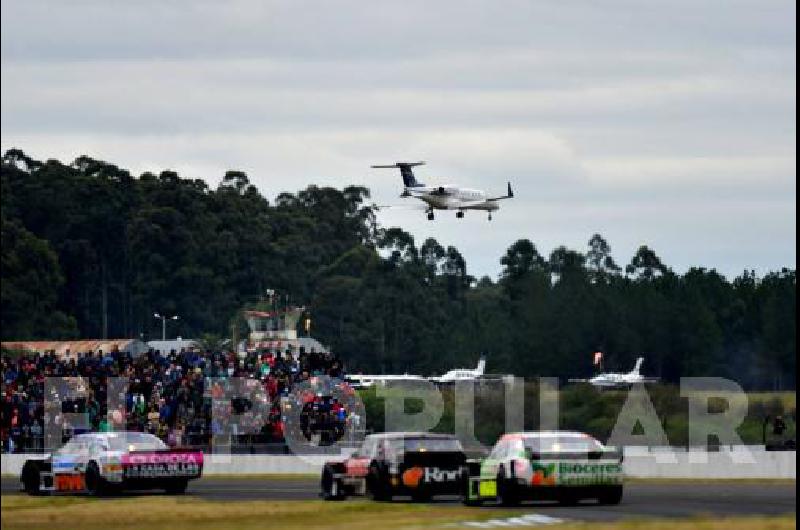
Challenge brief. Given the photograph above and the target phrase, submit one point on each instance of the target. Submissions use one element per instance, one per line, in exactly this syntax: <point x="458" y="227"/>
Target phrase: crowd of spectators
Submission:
<point x="166" y="395"/>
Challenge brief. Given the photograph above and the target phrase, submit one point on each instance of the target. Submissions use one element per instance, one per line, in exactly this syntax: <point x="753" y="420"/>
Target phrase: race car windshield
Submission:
<point x="562" y="444"/>
<point x="432" y="444"/>
<point x="135" y="442"/>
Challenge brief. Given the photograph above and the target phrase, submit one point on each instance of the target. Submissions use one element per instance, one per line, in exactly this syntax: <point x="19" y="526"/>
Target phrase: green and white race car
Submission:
<point x="556" y="465"/>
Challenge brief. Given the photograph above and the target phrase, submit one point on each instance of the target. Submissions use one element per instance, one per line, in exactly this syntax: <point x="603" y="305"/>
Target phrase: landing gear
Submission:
<point x="430" y="215"/>
<point x="490" y="216"/>
<point x="460" y="214"/>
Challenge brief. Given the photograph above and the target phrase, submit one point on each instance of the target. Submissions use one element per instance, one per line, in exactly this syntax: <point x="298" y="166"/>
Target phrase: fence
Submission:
<point x="639" y="462"/>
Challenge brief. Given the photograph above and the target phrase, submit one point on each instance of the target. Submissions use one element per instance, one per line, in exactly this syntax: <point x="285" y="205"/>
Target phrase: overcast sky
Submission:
<point x="670" y="124"/>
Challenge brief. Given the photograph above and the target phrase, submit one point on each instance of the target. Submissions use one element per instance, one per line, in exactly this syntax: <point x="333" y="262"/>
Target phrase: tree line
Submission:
<point x="91" y="251"/>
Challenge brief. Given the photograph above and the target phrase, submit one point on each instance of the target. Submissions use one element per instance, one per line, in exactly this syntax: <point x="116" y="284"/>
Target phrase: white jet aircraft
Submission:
<point x="461" y="374"/>
<point x="366" y="381"/>
<point x="615" y="380"/>
<point x="446" y="197"/>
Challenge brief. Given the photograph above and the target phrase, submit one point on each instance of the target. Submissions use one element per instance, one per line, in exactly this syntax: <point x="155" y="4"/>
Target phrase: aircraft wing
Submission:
<point x="416" y="206"/>
<point x="466" y="205"/>
<point x="577" y="380"/>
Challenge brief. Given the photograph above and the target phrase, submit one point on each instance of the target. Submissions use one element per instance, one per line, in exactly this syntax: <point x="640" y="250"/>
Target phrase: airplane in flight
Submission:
<point x="616" y="380"/>
<point x="445" y="197"/>
<point x="461" y="374"/>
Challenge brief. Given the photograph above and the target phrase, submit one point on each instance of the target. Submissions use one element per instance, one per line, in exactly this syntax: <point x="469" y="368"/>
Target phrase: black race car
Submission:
<point x="417" y="464"/>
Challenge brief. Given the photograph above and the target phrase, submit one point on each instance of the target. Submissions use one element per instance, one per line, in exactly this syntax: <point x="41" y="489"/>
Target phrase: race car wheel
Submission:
<point x="31" y="479"/>
<point x="507" y="494"/>
<point x="331" y="486"/>
<point x="376" y="484"/>
<point x="95" y="483"/>
<point x="177" y="486"/>
<point x="610" y="495"/>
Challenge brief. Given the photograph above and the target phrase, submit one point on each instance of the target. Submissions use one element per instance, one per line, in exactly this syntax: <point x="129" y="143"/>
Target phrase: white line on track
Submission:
<point x="530" y="519"/>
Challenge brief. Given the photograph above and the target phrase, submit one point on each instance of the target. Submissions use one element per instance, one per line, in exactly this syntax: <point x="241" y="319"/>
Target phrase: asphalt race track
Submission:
<point x="642" y="499"/>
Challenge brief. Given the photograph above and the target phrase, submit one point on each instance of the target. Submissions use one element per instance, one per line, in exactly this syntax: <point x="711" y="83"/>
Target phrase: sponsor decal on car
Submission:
<point x="578" y="474"/>
<point x="163" y="458"/>
<point x="157" y="465"/>
<point x="412" y="476"/>
<point x="67" y="464"/>
<point x="487" y="488"/>
<point x="434" y="474"/>
<point x="543" y="474"/>
<point x="69" y="482"/>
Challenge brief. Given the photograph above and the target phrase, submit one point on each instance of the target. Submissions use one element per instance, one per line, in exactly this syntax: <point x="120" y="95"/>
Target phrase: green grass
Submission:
<point x="185" y="512"/>
<point x="695" y="523"/>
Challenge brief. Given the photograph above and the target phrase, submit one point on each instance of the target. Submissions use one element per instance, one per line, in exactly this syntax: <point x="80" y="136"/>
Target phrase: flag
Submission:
<point x="598" y="357"/>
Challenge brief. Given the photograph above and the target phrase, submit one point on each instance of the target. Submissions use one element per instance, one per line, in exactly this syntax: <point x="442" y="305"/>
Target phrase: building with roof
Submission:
<point x="277" y="330"/>
<point x="70" y="348"/>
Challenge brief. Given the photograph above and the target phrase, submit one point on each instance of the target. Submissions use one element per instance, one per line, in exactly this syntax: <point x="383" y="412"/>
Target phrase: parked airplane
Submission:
<point x="616" y="380"/>
<point x="446" y="197"/>
<point x="366" y="381"/>
<point x="461" y="374"/>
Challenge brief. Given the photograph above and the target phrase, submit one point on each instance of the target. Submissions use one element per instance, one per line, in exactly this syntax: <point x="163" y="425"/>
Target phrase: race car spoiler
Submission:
<point x="615" y="454"/>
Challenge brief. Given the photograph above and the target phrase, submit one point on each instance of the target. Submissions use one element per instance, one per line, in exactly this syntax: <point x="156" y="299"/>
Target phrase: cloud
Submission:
<point x="667" y="123"/>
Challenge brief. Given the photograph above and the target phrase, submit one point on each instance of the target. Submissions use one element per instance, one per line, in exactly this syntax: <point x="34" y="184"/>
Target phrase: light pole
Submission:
<point x="164" y="324"/>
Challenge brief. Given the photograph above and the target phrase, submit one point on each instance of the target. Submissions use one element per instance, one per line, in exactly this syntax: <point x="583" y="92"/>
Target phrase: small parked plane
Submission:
<point x="446" y="197"/>
<point x="615" y="380"/>
<point x="366" y="381"/>
<point x="461" y="374"/>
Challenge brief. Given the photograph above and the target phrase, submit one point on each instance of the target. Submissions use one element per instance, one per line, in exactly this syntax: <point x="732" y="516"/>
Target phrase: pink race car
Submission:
<point x="101" y="463"/>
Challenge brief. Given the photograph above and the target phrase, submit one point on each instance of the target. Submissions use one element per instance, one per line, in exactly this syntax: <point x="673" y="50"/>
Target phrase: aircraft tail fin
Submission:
<point x="481" y="368"/>
<point x="405" y="171"/>
<point x="509" y="195"/>
<point x="637" y="366"/>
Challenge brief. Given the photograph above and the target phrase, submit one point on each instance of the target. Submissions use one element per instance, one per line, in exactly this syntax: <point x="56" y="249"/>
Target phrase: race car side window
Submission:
<point x="515" y="448"/>
<point x="368" y="449"/>
<point x="68" y="448"/>
<point x="394" y="449"/>
<point x="499" y="450"/>
<point x="76" y="446"/>
<point x="97" y="446"/>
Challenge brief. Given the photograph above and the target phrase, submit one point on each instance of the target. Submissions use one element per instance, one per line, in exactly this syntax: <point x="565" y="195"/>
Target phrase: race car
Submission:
<point x="100" y="463"/>
<point x="417" y="464"/>
<point x="556" y="465"/>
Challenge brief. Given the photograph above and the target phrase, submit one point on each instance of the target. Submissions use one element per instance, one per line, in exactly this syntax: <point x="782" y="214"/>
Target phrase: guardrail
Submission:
<point x="729" y="462"/>
<point x="733" y="462"/>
